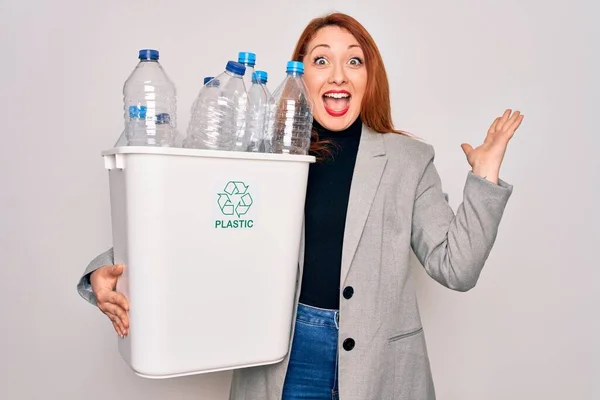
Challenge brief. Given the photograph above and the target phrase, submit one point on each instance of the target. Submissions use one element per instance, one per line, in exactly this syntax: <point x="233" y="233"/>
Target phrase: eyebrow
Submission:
<point x="327" y="46"/>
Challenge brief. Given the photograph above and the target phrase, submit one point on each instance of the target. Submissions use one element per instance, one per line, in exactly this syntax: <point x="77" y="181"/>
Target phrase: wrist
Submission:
<point x="491" y="174"/>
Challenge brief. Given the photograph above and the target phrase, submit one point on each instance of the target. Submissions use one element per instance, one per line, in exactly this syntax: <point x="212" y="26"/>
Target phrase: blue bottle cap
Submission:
<point x="163" y="118"/>
<point x="235" y="68"/>
<point x="247" y="58"/>
<point x="262" y="76"/>
<point x="208" y="79"/>
<point x="295" y="66"/>
<point x="148" y="54"/>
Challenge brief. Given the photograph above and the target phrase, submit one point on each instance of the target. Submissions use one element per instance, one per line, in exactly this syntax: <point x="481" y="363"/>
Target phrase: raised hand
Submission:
<point x="486" y="159"/>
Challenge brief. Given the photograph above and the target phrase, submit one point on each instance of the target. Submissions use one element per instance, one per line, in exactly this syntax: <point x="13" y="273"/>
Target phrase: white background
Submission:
<point x="529" y="330"/>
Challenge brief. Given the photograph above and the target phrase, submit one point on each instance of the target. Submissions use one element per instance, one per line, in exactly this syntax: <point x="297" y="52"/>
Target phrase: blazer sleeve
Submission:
<point x="84" y="287"/>
<point x="453" y="248"/>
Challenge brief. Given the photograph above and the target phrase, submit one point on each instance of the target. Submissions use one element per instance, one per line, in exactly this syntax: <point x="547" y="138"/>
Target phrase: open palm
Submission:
<point x="489" y="155"/>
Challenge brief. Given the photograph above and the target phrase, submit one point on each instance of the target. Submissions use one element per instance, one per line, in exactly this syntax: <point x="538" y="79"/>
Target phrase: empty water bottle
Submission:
<point x="292" y="119"/>
<point x="259" y="102"/>
<point x="218" y="118"/>
<point x="203" y="130"/>
<point x="249" y="61"/>
<point x="205" y="81"/>
<point x="149" y="93"/>
<point x="269" y="119"/>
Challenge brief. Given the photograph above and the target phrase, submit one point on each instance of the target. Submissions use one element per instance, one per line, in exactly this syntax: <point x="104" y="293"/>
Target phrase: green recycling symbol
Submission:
<point x="235" y="199"/>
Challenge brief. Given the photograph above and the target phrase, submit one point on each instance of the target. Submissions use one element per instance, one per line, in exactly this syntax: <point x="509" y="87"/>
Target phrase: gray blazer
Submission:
<point x="396" y="206"/>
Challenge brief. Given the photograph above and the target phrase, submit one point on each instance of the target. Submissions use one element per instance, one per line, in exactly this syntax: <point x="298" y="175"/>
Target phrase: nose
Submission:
<point x="338" y="75"/>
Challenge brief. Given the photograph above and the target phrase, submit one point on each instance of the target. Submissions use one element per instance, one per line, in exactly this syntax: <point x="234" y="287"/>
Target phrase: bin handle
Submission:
<point x="114" y="161"/>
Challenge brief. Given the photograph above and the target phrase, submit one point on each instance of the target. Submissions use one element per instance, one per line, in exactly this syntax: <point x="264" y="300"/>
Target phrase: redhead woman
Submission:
<point x="373" y="198"/>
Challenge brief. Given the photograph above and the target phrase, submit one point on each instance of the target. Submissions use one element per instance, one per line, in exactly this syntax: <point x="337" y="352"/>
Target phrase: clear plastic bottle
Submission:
<point x="259" y="101"/>
<point x="249" y="61"/>
<point x="292" y="119"/>
<point x="218" y="117"/>
<point x="267" y="141"/>
<point x="148" y="93"/>
<point x="205" y="105"/>
<point x="205" y="81"/>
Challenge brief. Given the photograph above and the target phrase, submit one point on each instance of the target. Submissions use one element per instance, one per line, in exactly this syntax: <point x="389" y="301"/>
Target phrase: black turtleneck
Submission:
<point x="325" y="216"/>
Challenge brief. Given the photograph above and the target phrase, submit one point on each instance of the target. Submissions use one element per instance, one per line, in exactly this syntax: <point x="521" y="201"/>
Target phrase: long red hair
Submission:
<point x="376" y="110"/>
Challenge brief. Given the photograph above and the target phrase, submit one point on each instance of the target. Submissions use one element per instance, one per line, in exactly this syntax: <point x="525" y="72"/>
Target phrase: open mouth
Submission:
<point x="337" y="102"/>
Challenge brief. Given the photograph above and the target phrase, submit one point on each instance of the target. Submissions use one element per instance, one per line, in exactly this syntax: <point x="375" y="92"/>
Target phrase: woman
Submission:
<point x="373" y="197"/>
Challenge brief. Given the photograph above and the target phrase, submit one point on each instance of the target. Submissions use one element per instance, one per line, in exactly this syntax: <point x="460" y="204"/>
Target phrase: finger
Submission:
<point x="467" y="148"/>
<point x="117" y="326"/>
<point x="115" y="270"/>
<point x="503" y="119"/>
<point x="118" y="330"/>
<point x="512" y="118"/>
<point x="116" y="323"/>
<point x="494" y="125"/>
<point x="115" y="319"/>
<point x="118" y="311"/>
<point x="115" y="298"/>
<point x="110" y="308"/>
<point x="514" y="125"/>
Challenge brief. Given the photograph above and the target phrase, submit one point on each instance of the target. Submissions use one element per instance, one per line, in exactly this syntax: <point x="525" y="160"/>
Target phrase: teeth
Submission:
<point x="337" y="95"/>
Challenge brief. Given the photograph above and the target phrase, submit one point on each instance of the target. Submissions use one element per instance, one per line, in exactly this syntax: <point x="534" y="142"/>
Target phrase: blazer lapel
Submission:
<point x="369" y="167"/>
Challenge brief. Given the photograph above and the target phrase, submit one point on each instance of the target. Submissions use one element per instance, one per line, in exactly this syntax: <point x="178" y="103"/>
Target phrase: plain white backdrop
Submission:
<point x="529" y="330"/>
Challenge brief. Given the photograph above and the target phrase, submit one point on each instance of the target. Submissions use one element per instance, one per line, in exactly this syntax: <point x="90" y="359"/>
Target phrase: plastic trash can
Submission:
<point x="210" y="243"/>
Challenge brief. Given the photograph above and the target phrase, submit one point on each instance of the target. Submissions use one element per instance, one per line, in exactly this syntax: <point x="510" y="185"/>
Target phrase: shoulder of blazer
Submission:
<point x="409" y="154"/>
<point x="407" y="148"/>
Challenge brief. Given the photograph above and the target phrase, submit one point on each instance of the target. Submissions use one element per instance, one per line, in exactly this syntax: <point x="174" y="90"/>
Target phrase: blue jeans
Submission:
<point x="312" y="370"/>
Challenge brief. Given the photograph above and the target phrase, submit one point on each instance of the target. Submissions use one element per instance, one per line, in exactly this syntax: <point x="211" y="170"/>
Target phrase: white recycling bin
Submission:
<point x="210" y="243"/>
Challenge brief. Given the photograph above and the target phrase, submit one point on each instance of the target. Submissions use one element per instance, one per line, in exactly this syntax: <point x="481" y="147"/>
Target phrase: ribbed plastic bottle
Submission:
<point x="292" y="119"/>
<point x="219" y="112"/>
<point x="147" y="93"/>
<point x="259" y="102"/>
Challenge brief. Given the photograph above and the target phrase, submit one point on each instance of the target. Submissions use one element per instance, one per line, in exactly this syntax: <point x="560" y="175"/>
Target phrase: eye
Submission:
<point x="355" y="61"/>
<point x="320" y="61"/>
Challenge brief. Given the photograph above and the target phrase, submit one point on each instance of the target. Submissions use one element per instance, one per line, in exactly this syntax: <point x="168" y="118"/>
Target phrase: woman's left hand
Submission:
<point x="487" y="158"/>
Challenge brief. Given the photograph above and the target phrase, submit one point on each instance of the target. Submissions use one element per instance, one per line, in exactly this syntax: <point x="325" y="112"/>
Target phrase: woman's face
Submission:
<point x="336" y="77"/>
